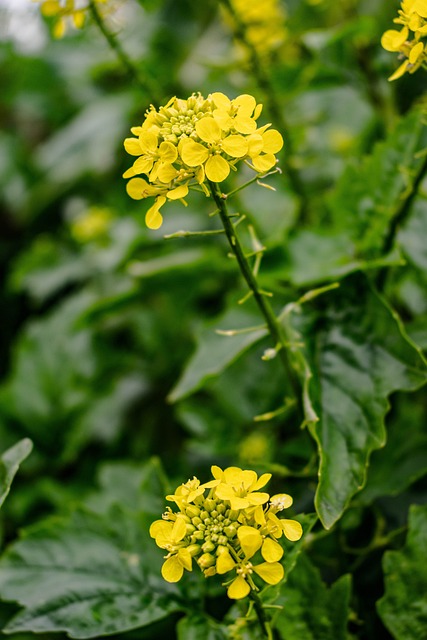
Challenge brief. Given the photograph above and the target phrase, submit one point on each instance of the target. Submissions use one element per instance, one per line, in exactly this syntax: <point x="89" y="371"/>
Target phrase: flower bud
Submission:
<point x="190" y="529"/>
<point x="192" y="511"/>
<point x="222" y="540"/>
<point x="214" y="513"/>
<point x="196" y="520"/>
<point x="221" y="548"/>
<point x="220" y="507"/>
<point x="206" y="560"/>
<point x="210" y="504"/>
<point x="197" y="535"/>
<point x="211" y="571"/>
<point x="194" y="549"/>
<point x="230" y="531"/>
<point x="208" y="546"/>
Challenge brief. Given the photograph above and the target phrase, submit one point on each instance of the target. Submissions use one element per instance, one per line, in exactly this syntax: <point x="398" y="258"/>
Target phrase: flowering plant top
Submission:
<point x="227" y="526"/>
<point x="408" y="42"/>
<point x="190" y="142"/>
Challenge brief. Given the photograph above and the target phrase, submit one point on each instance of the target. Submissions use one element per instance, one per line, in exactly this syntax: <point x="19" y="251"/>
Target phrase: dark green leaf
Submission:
<point x="199" y="628"/>
<point x="360" y="356"/>
<point x="311" y="610"/>
<point x="88" y="575"/>
<point x="403" y="608"/>
<point x="9" y="465"/>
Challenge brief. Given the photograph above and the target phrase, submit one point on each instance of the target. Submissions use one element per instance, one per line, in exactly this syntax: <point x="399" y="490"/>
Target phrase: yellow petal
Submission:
<point x="281" y="501"/>
<point x="172" y="569"/>
<point x="271" y="550"/>
<point x="239" y="503"/>
<point x="177" y="194"/>
<point x="270" y="572"/>
<point x="263" y="163"/>
<point x="416" y="52"/>
<point x="250" y="540"/>
<point x="245" y="103"/>
<point x="292" y="529"/>
<point x="153" y="218"/>
<point x="221" y="101"/>
<point x="392" y="40"/>
<point x="168" y="152"/>
<point x="420" y="7"/>
<point x="193" y="153"/>
<point x="166" y="172"/>
<point x="262" y="481"/>
<point x="257" y="498"/>
<point x="244" y="124"/>
<point x="59" y="28"/>
<point x="400" y="71"/>
<point x="148" y="142"/>
<point x="135" y="188"/>
<point x="224" y="563"/>
<point x="132" y="146"/>
<point x="223" y="119"/>
<point x="235" y="146"/>
<point x="217" y="472"/>
<point x="239" y="588"/>
<point x="129" y="173"/>
<point x="156" y="527"/>
<point x="217" y="169"/>
<point x="184" y="557"/>
<point x="225" y="492"/>
<point x="179" y="526"/>
<point x="208" y="130"/>
<point x="257" y="111"/>
<point x="143" y="165"/>
<point x="255" y="144"/>
<point x="50" y="8"/>
<point x="248" y="478"/>
<point x="79" y="19"/>
<point x="273" y="141"/>
<point x="233" y="475"/>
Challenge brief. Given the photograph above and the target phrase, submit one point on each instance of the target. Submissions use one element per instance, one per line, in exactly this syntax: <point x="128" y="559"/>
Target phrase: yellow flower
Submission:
<point x="65" y="12"/>
<point x="240" y="487"/>
<point x="263" y="23"/>
<point x="92" y="224"/>
<point x="226" y="533"/>
<point x="189" y="142"/>
<point x="413" y="17"/>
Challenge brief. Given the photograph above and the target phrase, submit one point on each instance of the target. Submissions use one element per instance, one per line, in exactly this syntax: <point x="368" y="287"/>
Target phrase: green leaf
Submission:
<point x="199" y="628"/>
<point x="216" y="352"/>
<point x="360" y="355"/>
<point x="370" y="194"/>
<point x="311" y="610"/>
<point x="411" y="237"/>
<point x="88" y="575"/>
<point x="403" y="608"/>
<point x="9" y="465"/>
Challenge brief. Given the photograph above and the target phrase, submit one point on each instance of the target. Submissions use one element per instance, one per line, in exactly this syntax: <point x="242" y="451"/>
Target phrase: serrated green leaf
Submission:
<point x="9" y="465"/>
<point x="403" y="608"/>
<point x="360" y="355"/>
<point x="311" y="610"/>
<point x="88" y="575"/>
<point x="216" y="352"/>
<point x="369" y="194"/>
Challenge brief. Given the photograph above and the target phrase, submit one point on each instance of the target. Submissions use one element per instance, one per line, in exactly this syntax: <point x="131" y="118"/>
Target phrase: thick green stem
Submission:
<point x="275" y="328"/>
<point x="144" y="83"/>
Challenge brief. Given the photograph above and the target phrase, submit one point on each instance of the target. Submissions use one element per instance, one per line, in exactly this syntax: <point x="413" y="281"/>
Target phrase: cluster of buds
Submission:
<point x="65" y="12"/>
<point x="263" y="23"/>
<point x="190" y="142"/>
<point x="226" y="525"/>
<point x="408" y="42"/>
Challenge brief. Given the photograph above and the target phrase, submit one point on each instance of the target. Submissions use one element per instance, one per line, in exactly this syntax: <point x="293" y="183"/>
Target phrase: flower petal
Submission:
<point x="193" y="153"/>
<point x="132" y="146"/>
<point x="153" y="218"/>
<point x="392" y="40"/>
<point x="263" y="163"/>
<point x="262" y="481"/>
<point x="239" y="588"/>
<point x="243" y="124"/>
<point x="292" y="529"/>
<point x="250" y="540"/>
<point x="143" y="164"/>
<point x="168" y="152"/>
<point x="224" y="563"/>
<point x="271" y="550"/>
<point x="273" y="141"/>
<point x="221" y="101"/>
<point x="235" y="146"/>
<point x="135" y="188"/>
<point x="245" y="103"/>
<point x="208" y="129"/>
<point x="172" y="569"/>
<point x="177" y="194"/>
<point x="270" y="572"/>
<point x="148" y="142"/>
<point x="217" y="169"/>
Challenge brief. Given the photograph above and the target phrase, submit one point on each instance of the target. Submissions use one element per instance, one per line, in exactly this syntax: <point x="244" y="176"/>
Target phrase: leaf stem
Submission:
<point x="144" y="84"/>
<point x="260" y="612"/>
<point x="275" y="328"/>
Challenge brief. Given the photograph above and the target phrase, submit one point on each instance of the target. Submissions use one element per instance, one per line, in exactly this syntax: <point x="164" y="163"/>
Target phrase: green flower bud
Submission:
<point x="201" y="527"/>
<point x="233" y="514"/>
<point x="221" y="508"/>
<point x="206" y="560"/>
<point x="194" y="549"/>
<point x="196" y="520"/>
<point x="208" y="546"/>
<point x="192" y="511"/>
<point x="211" y="571"/>
<point x="197" y="535"/>
<point x="210" y="504"/>
<point x="214" y="513"/>
<point x="230" y="531"/>
<point x="190" y="529"/>
<point x="222" y="540"/>
<point x="204" y="514"/>
<point x="221" y="548"/>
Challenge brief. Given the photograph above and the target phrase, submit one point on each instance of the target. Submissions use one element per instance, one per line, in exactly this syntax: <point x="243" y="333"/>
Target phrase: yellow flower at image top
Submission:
<point x="191" y="142"/>
<point x="263" y="23"/>
<point x="226" y="526"/>
<point x="409" y="41"/>
<point x="65" y="12"/>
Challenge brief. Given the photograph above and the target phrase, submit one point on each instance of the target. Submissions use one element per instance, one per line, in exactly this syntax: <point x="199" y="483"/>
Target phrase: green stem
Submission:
<point x="274" y="327"/>
<point x="144" y="84"/>
<point x="266" y="86"/>
<point x="262" y="618"/>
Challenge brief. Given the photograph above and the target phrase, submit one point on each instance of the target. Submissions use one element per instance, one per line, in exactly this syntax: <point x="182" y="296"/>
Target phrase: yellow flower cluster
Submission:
<point x="189" y="142"/>
<point x="65" y="12"/>
<point x="408" y="42"/>
<point x="226" y="525"/>
<point x="263" y="22"/>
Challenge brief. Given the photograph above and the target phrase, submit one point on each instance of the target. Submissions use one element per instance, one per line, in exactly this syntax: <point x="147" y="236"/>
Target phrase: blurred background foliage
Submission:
<point x="109" y="359"/>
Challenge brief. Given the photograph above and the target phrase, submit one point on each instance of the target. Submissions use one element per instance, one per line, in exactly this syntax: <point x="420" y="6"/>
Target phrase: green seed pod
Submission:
<point x="206" y="560"/>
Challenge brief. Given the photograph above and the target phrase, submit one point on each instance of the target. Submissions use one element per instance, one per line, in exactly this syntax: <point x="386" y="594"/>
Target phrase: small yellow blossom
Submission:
<point x="93" y="224"/>
<point x="187" y="143"/>
<point x="263" y="23"/>
<point x="408" y="41"/>
<point x="227" y="526"/>
<point x="65" y="12"/>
